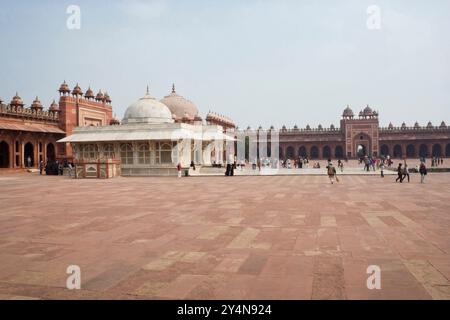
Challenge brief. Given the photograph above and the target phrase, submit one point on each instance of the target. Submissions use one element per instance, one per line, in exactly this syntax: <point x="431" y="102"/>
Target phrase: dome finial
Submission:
<point x="148" y="91"/>
<point x="173" y="88"/>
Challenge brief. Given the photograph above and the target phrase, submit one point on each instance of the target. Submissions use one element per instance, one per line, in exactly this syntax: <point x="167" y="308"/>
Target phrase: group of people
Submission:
<point x="55" y="167"/>
<point x="436" y="161"/>
<point x="403" y="171"/>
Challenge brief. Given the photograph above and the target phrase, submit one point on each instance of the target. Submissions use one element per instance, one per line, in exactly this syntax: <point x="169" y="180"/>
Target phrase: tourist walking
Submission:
<point x="382" y="166"/>
<point x="41" y="167"/>
<point x="69" y="166"/>
<point x="405" y="171"/>
<point x="341" y="165"/>
<point x="179" y="170"/>
<point x="422" y="171"/>
<point x="399" y="173"/>
<point x="331" y="170"/>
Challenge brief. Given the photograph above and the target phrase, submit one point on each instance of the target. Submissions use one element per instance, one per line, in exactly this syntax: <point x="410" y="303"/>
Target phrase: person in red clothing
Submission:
<point x="179" y="170"/>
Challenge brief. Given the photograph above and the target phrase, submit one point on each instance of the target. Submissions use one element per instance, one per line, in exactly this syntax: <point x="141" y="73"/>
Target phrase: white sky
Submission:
<point x="258" y="62"/>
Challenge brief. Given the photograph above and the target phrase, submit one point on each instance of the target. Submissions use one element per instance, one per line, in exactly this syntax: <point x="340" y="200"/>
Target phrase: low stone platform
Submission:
<point x="271" y="237"/>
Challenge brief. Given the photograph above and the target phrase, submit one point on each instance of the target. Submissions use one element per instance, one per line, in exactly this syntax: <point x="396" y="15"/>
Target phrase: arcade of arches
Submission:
<point x="25" y="151"/>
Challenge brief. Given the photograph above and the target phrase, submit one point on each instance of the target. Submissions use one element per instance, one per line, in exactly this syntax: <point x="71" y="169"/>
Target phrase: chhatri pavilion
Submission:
<point x="152" y="139"/>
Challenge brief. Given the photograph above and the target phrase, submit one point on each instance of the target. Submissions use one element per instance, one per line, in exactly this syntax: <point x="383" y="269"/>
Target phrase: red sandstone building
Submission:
<point x="362" y="135"/>
<point x="30" y="134"/>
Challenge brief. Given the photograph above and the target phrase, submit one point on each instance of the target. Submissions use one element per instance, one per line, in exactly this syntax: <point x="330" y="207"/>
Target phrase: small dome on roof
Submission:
<point x="443" y="125"/>
<point x="332" y="127"/>
<point x="36" y="104"/>
<point x="429" y="125"/>
<point x="320" y="127"/>
<point x="283" y="127"/>
<point x="308" y="127"/>
<point x="391" y="126"/>
<point x="295" y="127"/>
<point x="107" y="98"/>
<point x="89" y="94"/>
<point x="272" y="127"/>
<point x="416" y="125"/>
<point x="64" y="88"/>
<point x="17" y="101"/>
<point x="403" y="125"/>
<point x="367" y="111"/>
<point x="114" y="121"/>
<point x="179" y="106"/>
<point x="99" y="96"/>
<point x="348" y="112"/>
<point x="77" y="91"/>
<point x="54" y="106"/>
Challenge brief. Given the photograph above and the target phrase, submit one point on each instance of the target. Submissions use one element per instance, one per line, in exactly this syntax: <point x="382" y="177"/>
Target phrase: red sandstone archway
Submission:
<point x="437" y="150"/>
<point x="384" y="150"/>
<point x="314" y="152"/>
<point x="290" y="153"/>
<point x="339" y="152"/>
<point x="28" y="154"/>
<point x="326" y="152"/>
<point x="397" y="151"/>
<point x="302" y="152"/>
<point x="410" y="151"/>
<point x="423" y="151"/>
<point x="4" y="155"/>
<point x="362" y="141"/>
<point x="51" y="154"/>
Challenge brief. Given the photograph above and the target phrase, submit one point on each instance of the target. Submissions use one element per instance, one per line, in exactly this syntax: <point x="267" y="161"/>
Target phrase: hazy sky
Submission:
<point x="258" y="62"/>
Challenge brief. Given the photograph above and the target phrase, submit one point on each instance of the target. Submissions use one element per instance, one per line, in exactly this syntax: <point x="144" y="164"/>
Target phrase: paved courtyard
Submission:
<point x="249" y="237"/>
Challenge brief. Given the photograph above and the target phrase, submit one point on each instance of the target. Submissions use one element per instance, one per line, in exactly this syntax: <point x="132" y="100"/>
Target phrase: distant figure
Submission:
<point x="192" y="165"/>
<point x="382" y="166"/>
<point x="331" y="170"/>
<point x="422" y="171"/>
<point x="60" y="169"/>
<point x="399" y="173"/>
<point x="41" y="167"/>
<point x="70" y="169"/>
<point x="405" y="172"/>
<point x="179" y="170"/>
<point x="29" y="162"/>
<point x="341" y="165"/>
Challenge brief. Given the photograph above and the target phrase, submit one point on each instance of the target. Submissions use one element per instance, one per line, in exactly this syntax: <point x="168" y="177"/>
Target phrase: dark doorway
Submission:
<point x="326" y="152"/>
<point x="302" y="152"/>
<point x="397" y="151"/>
<point x="51" y="154"/>
<point x="314" y="152"/>
<point x="339" y="152"/>
<point x="4" y="155"/>
<point x="384" y="150"/>
<point x="447" y="150"/>
<point x="29" y="155"/>
<point x="290" y="152"/>
<point x="410" y="151"/>
<point x="437" y="151"/>
<point x="423" y="151"/>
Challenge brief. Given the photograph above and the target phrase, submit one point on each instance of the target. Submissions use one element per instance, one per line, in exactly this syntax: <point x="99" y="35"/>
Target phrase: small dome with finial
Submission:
<point x="77" y="91"/>
<point x="391" y="126"/>
<point x="272" y="127"/>
<point x="403" y="125"/>
<point x="348" y="112"/>
<point x="320" y="127"/>
<point x="107" y="98"/>
<point x="416" y="125"/>
<point x="429" y="125"/>
<point x="295" y="127"/>
<point x="54" y="106"/>
<point x="64" y="88"/>
<point x="99" y="96"/>
<point x="89" y="94"/>
<point x="36" y="105"/>
<point x="17" y="101"/>
<point x="332" y="127"/>
<point x="308" y="127"/>
<point x="443" y="125"/>
<point x="283" y="128"/>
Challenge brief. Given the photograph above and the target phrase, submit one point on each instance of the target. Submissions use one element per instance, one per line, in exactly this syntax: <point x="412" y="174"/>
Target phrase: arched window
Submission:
<point x="290" y="152"/>
<point x="397" y="151"/>
<point x="90" y="151"/>
<point x="302" y="152"/>
<point x="108" y="151"/>
<point x="126" y="153"/>
<point x="447" y="150"/>
<point x="410" y="151"/>
<point x="4" y="154"/>
<point x="423" y="151"/>
<point x="384" y="150"/>
<point x="314" y="152"/>
<point x="339" y="152"/>
<point x="144" y="153"/>
<point x="437" y="150"/>
<point x="326" y="152"/>
<point x="163" y="152"/>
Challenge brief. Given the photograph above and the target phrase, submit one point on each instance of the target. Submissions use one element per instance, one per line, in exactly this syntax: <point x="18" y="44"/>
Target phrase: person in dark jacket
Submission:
<point x="399" y="173"/>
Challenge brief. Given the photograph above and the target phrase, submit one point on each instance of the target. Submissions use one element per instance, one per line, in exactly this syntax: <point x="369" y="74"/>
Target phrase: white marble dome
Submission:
<point x="147" y="110"/>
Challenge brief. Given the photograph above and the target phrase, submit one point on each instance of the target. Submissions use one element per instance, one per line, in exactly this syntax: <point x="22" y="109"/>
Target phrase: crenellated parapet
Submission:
<point x="215" y="118"/>
<point x="32" y="113"/>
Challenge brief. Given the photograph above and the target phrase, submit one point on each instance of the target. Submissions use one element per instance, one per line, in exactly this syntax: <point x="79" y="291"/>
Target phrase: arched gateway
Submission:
<point x="4" y="155"/>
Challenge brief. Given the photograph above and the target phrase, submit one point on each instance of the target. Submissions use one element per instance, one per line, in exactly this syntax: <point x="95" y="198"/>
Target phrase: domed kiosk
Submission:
<point x="149" y="141"/>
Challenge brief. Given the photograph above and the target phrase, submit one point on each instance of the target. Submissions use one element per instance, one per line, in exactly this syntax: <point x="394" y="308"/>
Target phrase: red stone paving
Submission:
<point x="252" y="237"/>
